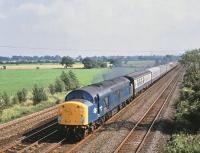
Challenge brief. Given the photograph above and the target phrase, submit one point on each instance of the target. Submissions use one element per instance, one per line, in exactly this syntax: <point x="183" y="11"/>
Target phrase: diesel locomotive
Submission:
<point x="86" y="108"/>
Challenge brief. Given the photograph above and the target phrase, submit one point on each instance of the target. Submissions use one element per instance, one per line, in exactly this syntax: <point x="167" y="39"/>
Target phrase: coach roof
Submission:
<point x="137" y="74"/>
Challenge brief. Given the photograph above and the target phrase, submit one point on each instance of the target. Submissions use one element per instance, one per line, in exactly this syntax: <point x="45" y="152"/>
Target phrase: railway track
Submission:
<point x="15" y="130"/>
<point x="43" y="143"/>
<point x="30" y="139"/>
<point x="23" y="124"/>
<point x="135" y="139"/>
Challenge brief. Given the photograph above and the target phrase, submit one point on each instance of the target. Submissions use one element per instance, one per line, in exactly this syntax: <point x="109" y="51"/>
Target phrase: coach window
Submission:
<point x="106" y="103"/>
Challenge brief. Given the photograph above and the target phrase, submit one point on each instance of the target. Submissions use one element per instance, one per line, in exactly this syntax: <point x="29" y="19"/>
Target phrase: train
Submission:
<point x="88" y="107"/>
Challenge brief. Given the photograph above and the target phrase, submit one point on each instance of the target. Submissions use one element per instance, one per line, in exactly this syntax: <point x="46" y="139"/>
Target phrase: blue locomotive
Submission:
<point x="90" y="106"/>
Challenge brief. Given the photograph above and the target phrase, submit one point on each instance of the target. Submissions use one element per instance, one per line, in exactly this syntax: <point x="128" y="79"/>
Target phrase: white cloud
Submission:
<point x="123" y="26"/>
<point x="2" y="16"/>
<point x="39" y="9"/>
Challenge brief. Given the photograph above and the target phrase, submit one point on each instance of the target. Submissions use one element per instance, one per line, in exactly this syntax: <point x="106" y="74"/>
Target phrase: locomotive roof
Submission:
<point x="105" y="86"/>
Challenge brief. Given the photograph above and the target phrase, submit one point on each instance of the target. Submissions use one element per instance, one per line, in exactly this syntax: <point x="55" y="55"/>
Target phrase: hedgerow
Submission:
<point x="186" y="137"/>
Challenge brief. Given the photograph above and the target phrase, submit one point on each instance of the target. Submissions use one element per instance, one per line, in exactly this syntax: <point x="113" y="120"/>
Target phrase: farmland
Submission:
<point x="14" y="80"/>
<point x="17" y="77"/>
<point x="38" y="66"/>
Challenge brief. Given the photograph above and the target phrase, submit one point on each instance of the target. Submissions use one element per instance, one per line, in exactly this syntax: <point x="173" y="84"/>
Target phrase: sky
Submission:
<point x="98" y="27"/>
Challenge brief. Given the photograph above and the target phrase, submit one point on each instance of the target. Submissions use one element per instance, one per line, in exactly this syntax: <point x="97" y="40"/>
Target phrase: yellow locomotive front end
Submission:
<point x="77" y="114"/>
<point x="73" y="113"/>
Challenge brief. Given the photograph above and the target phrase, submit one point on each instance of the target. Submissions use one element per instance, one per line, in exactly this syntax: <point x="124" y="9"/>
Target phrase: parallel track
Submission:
<point x="135" y="139"/>
<point x="13" y="129"/>
<point x="29" y="140"/>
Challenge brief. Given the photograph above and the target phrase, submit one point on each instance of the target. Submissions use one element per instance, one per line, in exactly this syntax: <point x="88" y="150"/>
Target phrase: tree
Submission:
<point x="79" y="58"/>
<point x="4" y="100"/>
<point x="67" y="61"/>
<point x="75" y="83"/>
<point x="88" y="63"/>
<point x="70" y="80"/>
<point x="102" y="64"/>
<point x="65" y="77"/>
<point x="188" y="107"/>
<point x="15" y="100"/>
<point x="59" y="85"/>
<point x="52" y="89"/>
<point x="93" y="63"/>
<point x="191" y="59"/>
<point x="39" y="94"/>
<point x="116" y="62"/>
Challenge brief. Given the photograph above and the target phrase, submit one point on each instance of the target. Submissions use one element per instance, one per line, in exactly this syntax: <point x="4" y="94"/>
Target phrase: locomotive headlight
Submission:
<point x="82" y="119"/>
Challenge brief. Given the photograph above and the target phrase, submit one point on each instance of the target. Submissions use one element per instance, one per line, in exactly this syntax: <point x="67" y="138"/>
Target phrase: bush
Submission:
<point x="22" y="95"/>
<point x="20" y="110"/>
<point x="39" y="94"/>
<point x="59" y="85"/>
<point x="52" y="89"/>
<point x="65" y="77"/>
<point x="70" y="80"/>
<point x="4" y="100"/>
<point x="15" y="100"/>
<point x="74" y="81"/>
<point x="183" y="143"/>
<point x="13" y="112"/>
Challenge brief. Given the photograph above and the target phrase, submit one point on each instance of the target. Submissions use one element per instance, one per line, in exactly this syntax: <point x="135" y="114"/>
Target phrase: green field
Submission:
<point x="14" y="80"/>
<point x="38" y="66"/>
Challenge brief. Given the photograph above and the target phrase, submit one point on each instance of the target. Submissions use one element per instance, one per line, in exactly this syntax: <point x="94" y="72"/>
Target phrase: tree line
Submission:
<point x="30" y="59"/>
<point x="58" y="59"/>
<point x="87" y="62"/>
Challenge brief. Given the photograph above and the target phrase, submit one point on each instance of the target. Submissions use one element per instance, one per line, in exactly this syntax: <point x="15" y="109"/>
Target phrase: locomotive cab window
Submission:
<point x="106" y="102"/>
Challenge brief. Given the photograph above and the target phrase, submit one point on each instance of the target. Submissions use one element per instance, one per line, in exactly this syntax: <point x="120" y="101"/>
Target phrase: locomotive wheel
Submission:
<point x="103" y="119"/>
<point x="79" y="134"/>
<point x="86" y="132"/>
